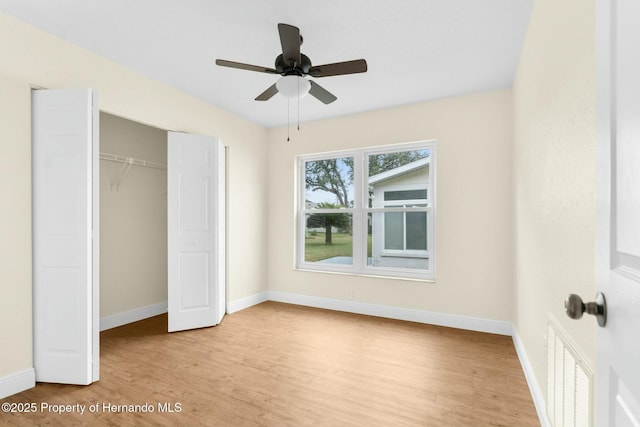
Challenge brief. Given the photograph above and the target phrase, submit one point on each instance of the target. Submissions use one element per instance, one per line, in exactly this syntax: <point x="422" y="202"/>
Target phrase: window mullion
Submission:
<point x="357" y="212"/>
<point x="300" y="247"/>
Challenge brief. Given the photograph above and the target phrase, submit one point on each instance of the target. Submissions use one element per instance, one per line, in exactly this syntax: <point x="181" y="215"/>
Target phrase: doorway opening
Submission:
<point x="133" y="221"/>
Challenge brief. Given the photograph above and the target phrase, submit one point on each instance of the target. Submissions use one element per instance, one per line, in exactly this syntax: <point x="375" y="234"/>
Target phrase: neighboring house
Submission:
<point x="399" y="239"/>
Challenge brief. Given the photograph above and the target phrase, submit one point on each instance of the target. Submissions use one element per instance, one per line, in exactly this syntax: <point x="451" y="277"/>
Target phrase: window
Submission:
<point x="405" y="231"/>
<point x="368" y="211"/>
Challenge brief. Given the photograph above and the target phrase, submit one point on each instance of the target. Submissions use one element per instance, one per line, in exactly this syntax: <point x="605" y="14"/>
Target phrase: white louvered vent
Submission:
<point x="568" y="382"/>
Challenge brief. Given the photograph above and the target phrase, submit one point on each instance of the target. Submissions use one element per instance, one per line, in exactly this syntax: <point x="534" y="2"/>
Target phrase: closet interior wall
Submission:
<point x="133" y="216"/>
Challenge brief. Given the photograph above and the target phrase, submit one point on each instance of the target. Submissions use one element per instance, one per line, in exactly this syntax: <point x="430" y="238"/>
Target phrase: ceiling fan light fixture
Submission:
<point x="293" y="86"/>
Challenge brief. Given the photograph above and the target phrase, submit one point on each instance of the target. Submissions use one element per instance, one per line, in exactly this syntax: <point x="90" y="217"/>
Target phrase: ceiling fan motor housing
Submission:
<point x="287" y="69"/>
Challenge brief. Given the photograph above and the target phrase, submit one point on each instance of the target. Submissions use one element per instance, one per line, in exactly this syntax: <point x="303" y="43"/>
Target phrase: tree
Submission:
<point x="326" y="175"/>
<point x="379" y="163"/>
<point x="328" y="220"/>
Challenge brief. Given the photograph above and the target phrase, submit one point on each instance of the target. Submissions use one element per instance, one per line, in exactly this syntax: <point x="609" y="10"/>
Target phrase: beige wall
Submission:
<point x="34" y="58"/>
<point x="15" y="227"/>
<point x="133" y="217"/>
<point x="554" y="175"/>
<point x="474" y="204"/>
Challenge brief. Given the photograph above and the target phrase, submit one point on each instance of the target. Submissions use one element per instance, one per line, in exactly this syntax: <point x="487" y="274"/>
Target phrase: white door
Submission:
<point x="196" y="234"/>
<point x="618" y="233"/>
<point x="65" y="252"/>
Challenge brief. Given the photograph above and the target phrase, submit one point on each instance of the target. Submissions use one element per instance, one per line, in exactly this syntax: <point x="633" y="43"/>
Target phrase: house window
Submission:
<point x="405" y="231"/>
<point x="368" y="211"/>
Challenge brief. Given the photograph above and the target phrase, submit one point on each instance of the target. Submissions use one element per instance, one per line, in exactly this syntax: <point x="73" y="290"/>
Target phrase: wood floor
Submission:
<point x="283" y="365"/>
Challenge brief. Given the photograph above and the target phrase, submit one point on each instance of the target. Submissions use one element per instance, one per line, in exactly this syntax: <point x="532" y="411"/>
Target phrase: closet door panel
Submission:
<point x="196" y="231"/>
<point x="65" y="284"/>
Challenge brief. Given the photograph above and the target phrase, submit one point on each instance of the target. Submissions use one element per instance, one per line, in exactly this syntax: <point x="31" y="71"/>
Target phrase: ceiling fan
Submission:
<point x="293" y="66"/>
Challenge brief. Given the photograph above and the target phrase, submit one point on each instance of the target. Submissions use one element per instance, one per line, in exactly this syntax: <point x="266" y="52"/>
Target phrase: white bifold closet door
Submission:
<point x="65" y="236"/>
<point x="66" y="293"/>
<point x="196" y="233"/>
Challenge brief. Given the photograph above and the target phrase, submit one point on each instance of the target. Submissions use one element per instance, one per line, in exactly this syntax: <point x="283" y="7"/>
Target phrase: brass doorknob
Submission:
<point x="575" y="307"/>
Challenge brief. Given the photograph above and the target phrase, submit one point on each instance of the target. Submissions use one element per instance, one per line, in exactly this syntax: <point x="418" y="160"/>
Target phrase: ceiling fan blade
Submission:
<point x="338" y="68"/>
<point x="321" y="93"/>
<point x="267" y="94"/>
<point x="290" y="41"/>
<point x="248" y="67"/>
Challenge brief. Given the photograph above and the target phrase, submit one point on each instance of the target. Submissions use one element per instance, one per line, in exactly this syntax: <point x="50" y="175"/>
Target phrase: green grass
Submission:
<point x="316" y="250"/>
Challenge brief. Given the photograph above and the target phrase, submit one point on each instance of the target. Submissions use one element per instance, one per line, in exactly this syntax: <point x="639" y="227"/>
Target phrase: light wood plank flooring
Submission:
<point x="283" y="365"/>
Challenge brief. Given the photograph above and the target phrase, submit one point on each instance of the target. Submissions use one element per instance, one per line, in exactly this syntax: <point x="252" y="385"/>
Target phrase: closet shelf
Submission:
<point x="131" y="161"/>
<point x="127" y="162"/>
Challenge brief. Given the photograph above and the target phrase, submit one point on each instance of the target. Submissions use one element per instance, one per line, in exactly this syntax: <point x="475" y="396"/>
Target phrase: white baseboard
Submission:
<point x="119" y="319"/>
<point x="429" y="317"/>
<point x="534" y="387"/>
<point x="246" y="302"/>
<point x="17" y="382"/>
<point x="433" y="318"/>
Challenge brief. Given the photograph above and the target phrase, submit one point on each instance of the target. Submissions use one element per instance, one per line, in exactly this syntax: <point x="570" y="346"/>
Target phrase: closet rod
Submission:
<point x="131" y="161"/>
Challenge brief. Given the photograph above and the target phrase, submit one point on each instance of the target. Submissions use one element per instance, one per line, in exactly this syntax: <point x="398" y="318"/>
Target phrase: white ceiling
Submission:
<point x="416" y="50"/>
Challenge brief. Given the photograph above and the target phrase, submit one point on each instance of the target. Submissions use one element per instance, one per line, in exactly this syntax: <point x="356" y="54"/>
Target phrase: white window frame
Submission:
<point x="361" y="210"/>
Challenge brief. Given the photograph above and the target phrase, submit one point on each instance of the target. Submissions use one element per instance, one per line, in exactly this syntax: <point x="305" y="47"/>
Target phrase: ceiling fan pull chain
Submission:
<point x="288" y="121"/>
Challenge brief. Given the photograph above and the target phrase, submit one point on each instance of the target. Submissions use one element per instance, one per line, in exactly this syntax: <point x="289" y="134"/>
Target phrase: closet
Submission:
<point x="128" y="222"/>
<point x="133" y="220"/>
<point x="162" y="229"/>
